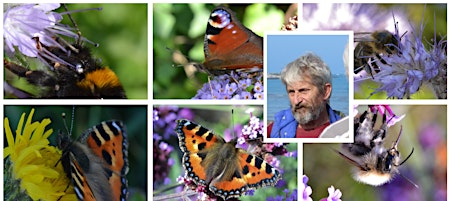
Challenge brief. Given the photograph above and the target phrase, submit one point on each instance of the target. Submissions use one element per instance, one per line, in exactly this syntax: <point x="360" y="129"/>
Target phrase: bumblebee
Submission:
<point x="374" y="164"/>
<point x="87" y="79"/>
<point x="371" y="47"/>
<point x="74" y="73"/>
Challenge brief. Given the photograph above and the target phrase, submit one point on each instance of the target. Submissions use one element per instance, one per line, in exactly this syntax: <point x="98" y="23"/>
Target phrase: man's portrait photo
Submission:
<point x="308" y="88"/>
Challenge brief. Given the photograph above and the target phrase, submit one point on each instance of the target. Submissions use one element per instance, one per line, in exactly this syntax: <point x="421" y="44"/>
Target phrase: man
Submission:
<point x="308" y="84"/>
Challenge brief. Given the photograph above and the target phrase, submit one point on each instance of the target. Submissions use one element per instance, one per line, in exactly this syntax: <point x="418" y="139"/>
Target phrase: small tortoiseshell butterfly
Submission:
<point x="225" y="170"/>
<point x="97" y="162"/>
<point x="229" y="45"/>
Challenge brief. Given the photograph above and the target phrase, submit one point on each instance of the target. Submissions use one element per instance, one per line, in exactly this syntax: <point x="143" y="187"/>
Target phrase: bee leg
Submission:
<point x="35" y="77"/>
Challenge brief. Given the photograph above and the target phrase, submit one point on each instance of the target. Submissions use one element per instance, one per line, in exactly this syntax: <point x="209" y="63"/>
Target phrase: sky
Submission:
<point x="283" y="49"/>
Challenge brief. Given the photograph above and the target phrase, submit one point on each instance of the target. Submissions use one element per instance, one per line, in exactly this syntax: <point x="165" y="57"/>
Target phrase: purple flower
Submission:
<point x="305" y="190"/>
<point x="23" y="22"/>
<point x="166" y="121"/>
<point x="162" y="161"/>
<point x="259" y="96"/>
<point x="287" y="197"/>
<point x="403" y="73"/>
<point x="155" y="115"/>
<point x="333" y="195"/>
<point x="236" y="85"/>
<point x="392" y="119"/>
<point x="258" y="87"/>
<point x="31" y="28"/>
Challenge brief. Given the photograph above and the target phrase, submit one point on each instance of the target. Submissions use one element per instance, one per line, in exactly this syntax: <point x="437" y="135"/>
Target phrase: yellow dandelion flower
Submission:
<point x="33" y="163"/>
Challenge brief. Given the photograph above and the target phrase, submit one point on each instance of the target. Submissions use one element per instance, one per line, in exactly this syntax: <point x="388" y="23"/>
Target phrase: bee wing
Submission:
<point x="363" y="37"/>
<point x="351" y="160"/>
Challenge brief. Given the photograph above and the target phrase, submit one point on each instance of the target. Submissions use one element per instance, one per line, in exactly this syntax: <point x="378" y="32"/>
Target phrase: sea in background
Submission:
<point x="277" y="98"/>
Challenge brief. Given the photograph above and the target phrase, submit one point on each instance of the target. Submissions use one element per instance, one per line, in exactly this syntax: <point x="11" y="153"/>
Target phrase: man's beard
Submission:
<point x="312" y="112"/>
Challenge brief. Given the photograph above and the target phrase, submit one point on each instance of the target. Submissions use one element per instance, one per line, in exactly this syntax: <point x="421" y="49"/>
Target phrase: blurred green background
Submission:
<point x="134" y="118"/>
<point x="414" y="13"/>
<point x="424" y="129"/>
<point x="179" y="31"/>
<point x="121" y="31"/>
<point x="219" y="119"/>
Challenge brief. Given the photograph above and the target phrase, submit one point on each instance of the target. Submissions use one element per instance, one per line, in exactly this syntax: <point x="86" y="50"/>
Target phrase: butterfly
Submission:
<point x="225" y="170"/>
<point x="229" y="45"/>
<point x="97" y="163"/>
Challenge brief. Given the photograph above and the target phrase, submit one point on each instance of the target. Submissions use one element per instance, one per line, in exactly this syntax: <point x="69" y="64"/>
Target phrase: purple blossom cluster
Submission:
<point x="236" y="85"/>
<point x="253" y="130"/>
<point x="161" y="160"/>
<point x="305" y="192"/>
<point x="164" y="120"/>
<point x="404" y="73"/>
<point x="251" y="138"/>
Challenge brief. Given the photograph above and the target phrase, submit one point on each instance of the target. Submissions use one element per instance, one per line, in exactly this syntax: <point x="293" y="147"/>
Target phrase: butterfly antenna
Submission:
<point x="232" y="124"/>
<point x="63" y="115"/>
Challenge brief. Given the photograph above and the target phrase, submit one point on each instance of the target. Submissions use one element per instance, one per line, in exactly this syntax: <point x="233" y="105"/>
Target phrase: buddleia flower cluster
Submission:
<point x="236" y="85"/>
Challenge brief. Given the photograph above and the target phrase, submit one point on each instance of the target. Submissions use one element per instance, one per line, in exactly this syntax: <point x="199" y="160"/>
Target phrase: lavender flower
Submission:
<point x="236" y="85"/>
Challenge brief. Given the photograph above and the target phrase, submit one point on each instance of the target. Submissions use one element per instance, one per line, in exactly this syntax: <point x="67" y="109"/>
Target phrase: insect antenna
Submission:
<point x="232" y="125"/>
<point x="409" y="155"/>
<point x="69" y="131"/>
<point x="79" y="38"/>
<point x="394" y="146"/>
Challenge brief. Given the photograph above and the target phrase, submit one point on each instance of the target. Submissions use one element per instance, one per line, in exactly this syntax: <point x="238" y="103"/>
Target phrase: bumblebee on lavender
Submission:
<point x="371" y="47"/>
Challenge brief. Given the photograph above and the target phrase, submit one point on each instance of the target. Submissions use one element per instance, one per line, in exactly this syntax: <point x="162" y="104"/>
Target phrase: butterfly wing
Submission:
<point x="108" y="141"/>
<point x="251" y="173"/>
<point x="194" y="141"/>
<point x="229" y="45"/>
<point x="84" y="167"/>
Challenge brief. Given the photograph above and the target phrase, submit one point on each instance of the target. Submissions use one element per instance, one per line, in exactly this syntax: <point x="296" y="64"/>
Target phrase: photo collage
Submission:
<point x="299" y="101"/>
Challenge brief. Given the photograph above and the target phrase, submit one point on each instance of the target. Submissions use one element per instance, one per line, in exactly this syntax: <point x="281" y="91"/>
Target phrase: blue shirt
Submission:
<point x="285" y="125"/>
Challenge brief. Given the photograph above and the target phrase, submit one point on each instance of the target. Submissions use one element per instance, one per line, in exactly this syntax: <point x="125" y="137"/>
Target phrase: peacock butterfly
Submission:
<point x="229" y="45"/>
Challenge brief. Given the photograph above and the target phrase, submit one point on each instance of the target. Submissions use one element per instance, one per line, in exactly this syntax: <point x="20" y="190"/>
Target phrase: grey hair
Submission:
<point x="307" y="65"/>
